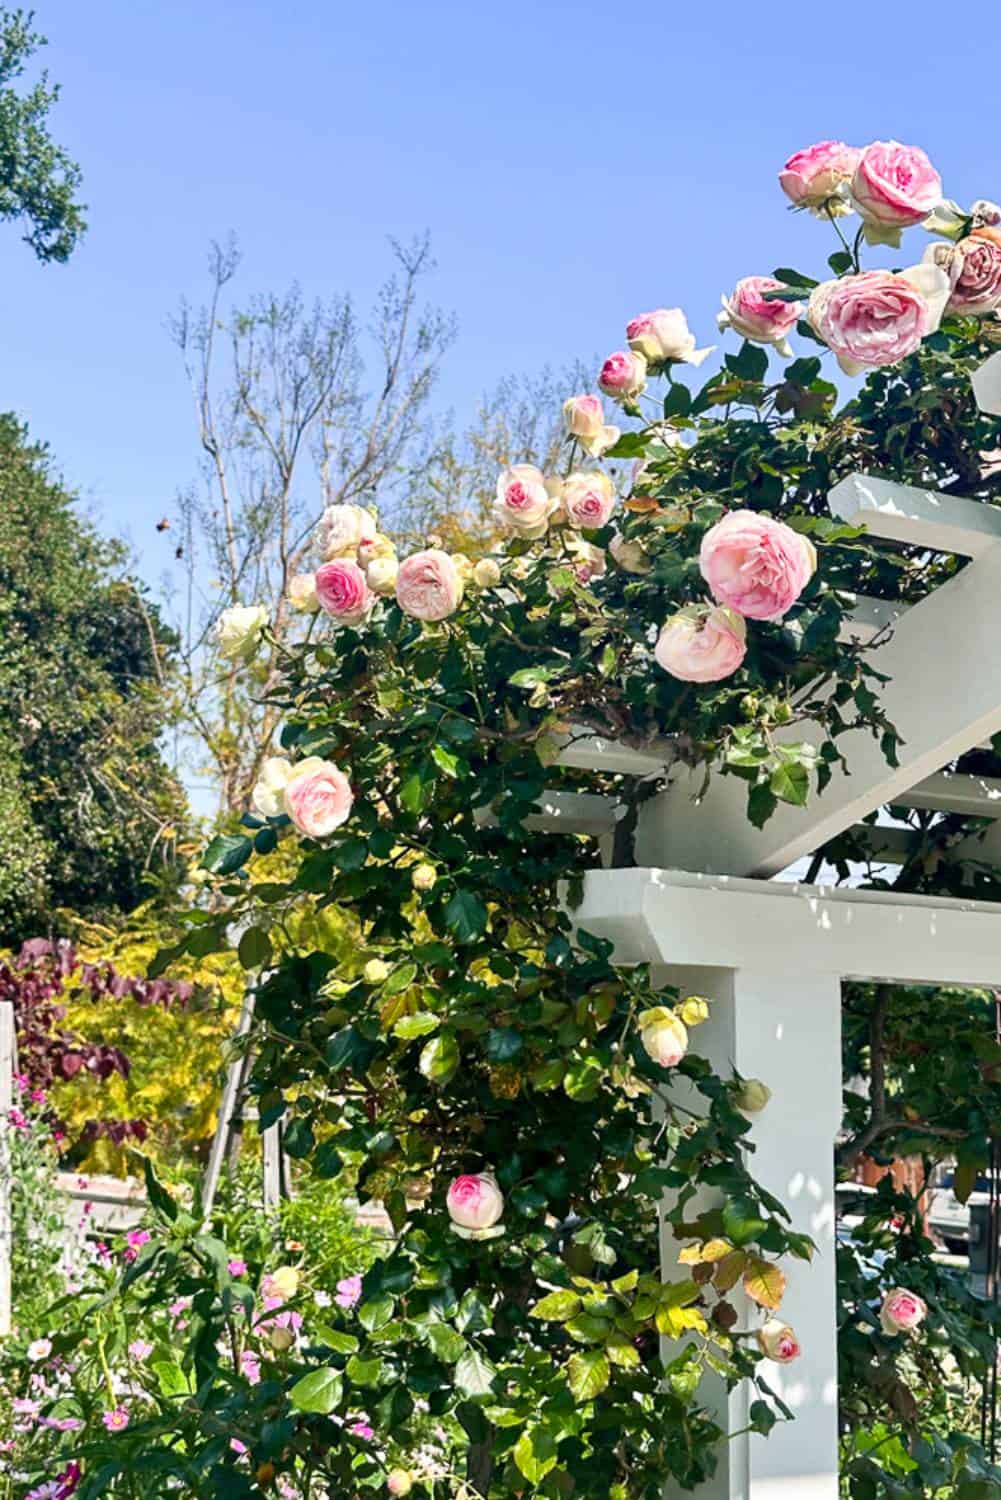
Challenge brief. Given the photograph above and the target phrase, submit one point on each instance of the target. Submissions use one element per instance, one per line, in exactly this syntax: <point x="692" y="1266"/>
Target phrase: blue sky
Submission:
<point x="575" y="164"/>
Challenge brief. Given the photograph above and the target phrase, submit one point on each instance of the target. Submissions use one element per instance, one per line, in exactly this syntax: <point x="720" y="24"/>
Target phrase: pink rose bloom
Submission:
<point x="236" y="1267"/>
<point x="818" y="176"/>
<point x="348" y="1291"/>
<point x="429" y="585"/>
<point x="584" y="419"/>
<point x="973" y="267"/>
<point x="588" y="561"/>
<point x="475" y="1201"/>
<point x="751" y="315"/>
<point x="893" y="186"/>
<point x="755" y="565"/>
<point x="778" y="1342"/>
<point x="318" y="797"/>
<point x="902" y="1311"/>
<point x="700" y="647"/>
<point x="663" y="337"/>
<point x="878" y="318"/>
<point x="588" y="499"/>
<point x="623" y="375"/>
<point x="524" y="500"/>
<point x="343" y="592"/>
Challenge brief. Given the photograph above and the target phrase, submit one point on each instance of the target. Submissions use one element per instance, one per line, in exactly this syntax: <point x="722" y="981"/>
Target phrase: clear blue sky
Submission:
<point x="575" y="163"/>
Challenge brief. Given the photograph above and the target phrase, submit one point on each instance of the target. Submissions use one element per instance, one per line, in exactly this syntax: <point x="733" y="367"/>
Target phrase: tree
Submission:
<point x="88" y="808"/>
<point x="288" y="420"/>
<point x="38" y="180"/>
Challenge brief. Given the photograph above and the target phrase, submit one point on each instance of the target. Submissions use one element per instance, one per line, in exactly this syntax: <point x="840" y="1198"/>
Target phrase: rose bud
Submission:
<point x="424" y="877"/>
<point x="663" y="337"/>
<point x="375" y="971"/>
<point x="902" y="1311"/>
<point x="756" y="566"/>
<point x="486" y="573"/>
<point x="777" y="1341"/>
<point x="399" y="1482"/>
<point x="755" y="317"/>
<point x="475" y="1201"/>
<point x="752" y="1096"/>
<point x="584" y="419"/>
<point x="700" y="645"/>
<point x="693" y="1010"/>
<point x="818" y="177"/>
<point x="623" y="375"/>
<point x="281" y="1339"/>
<point x="664" y="1037"/>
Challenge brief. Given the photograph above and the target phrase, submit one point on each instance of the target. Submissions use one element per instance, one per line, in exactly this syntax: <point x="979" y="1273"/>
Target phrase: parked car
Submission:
<point x="852" y="1201"/>
<point x="948" y="1219"/>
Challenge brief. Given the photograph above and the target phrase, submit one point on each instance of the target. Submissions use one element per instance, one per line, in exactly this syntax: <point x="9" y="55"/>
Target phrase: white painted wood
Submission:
<point x="228" y="1107"/>
<point x="944" y="695"/>
<point x="565" y="812"/>
<point x="948" y="791"/>
<point x="926" y="518"/>
<point x="673" y="916"/>
<point x="986" y="384"/>
<point x="583" y="750"/>
<point x="868" y="617"/>
<point x="774" y="1024"/>
<point x="6" y="1180"/>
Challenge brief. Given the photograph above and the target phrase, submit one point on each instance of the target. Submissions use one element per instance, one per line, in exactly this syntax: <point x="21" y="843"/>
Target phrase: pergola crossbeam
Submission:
<point x="925" y="518"/>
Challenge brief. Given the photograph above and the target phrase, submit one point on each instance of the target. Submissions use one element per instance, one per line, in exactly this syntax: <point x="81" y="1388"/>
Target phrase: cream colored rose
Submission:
<point x="382" y="573"/>
<point x="268" y="796"/>
<point x="584" y="419"/>
<point x="588" y="499"/>
<point x="302" y="593"/>
<point x="486" y="573"/>
<point x="283" y="1283"/>
<point x="630" y="556"/>
<point x="318" y="797"/>
<point x="375" y="971"/>
<point x="663" y="337"/>
<point x="664" y="1036"/>
<point x="424" y="877"/>
<point x="343" y="529"/>
<point x="524" y="500"/>
<point x="693" y="1010"/>
<point x="239" y="631"/>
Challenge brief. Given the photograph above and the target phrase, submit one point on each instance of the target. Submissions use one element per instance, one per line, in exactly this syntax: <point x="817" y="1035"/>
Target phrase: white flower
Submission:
<point x="39" y="1349"/>
<point x="268" y="796"/>
<point x="302" y="593"/>
<point x="239" y="630"/>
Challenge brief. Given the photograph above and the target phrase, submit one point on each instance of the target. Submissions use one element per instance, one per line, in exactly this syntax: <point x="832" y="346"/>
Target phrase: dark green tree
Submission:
<point x="38" y="180"/>
<point x="88" y="806"/>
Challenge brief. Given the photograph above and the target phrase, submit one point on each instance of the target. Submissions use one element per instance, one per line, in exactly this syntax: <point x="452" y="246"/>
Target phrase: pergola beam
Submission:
<point x="925" y="518"/>
<point x="986" y="384"/>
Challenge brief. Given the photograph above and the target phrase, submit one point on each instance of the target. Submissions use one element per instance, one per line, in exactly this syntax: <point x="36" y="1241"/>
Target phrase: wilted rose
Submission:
<point x="973" y="266"/>
<point x="631" y="556"/>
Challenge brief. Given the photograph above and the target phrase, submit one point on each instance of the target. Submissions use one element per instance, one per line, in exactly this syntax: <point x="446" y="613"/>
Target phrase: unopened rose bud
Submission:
<point x="375" y="971"/>
<point x="282" y="1339"/>
<point x="487" y="573"/>
<point x="424" y="877"/>
<point x="752" y="1096"/>
<point x="399" y="1482"/>
<point x="475" y="1201"/>
<point x="463" y="566"/>
<point x="382" y="573"/>
<point x="778" y="1342"/>
<point x="693" y="1010"/>
<point x="750" y="704"/>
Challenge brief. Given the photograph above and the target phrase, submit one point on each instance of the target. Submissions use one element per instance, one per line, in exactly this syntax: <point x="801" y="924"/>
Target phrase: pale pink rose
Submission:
<point x="817" y="177"/>
<point x="588" y="561"/>
<point x="750" y="314"/>
<point x="663" y="337"/>
<point x="893" y="186"/>
<point x="429" y="585"/>
<point x="399" y="1482"/>
<point x="584" y="419"/>
<point x="878" y="317"/>
<point x="524" y="500"/>
<point x="475" y="1201"/>
<point x="623" y="375"/>
<point x="343" y="528"/>
<point x="778" y="1342"/>
<point x="755" y="565"/>
<point x="973" y="267"/>
<point x="588" y="499"/>
<point x="318" y="797"/>
<point x="343" y="592"/>
<point x="902" y="1311"/>
<point x="664" y="1038"/>
<point x="702" y="647"/>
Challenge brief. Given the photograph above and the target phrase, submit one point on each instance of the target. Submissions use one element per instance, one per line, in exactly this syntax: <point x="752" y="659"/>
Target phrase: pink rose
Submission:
<point x="584" y="419"/>
<point x="623" y="375"/>
<point x="318" y="797"/>
<point x="702" y="647"/>
<point x="893" y="186"/>
<point x="817" y="177"/>
<point x="902" y="1311"/>
<point x="348" y="1291"/>
<point x="777" y="1341"/>
<point x="524" y="500"/>
<point x="343" y="592"/>
<point x="588" y="562"/>
<point x="748" y="313"/>
<point x="342" y="529"/>
<point x="475" y="1201"/>
<point x="973" y="267"/>
<point x="663" y="336"/>
<point x="429" y="585"/>
<point x="588" y="499"/>
<point x="755" y="565"/>
<point x="878" y="317"/>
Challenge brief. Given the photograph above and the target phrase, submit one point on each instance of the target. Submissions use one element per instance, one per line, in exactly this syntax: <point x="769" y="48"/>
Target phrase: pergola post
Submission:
<point x="778" y="1025"/>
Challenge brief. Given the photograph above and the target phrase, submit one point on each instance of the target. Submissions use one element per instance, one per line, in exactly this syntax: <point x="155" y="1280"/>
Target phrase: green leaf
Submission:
<point x="400" y="979"/>
<point x="364" y="1371"/>
<point x="840" y="262"/>
<point x="412" y="793"/>
<point x="409" y="1027"/>
<point x="440" y="1058"/>
<point x="160" y="1200"/>
<point x="319" y="1391"/>
<point x="171" y="1378"/>
<point x="474" y="1374"/>
<point x="227" y="853"/>
<point x="445" y="760"/>
<point x="678" y="401"/>
<point x="298" y="1139"/>
<point x="761" y="1418"/>
<point x="588" y="1373"/>
<point x="448" y="1345"/>
<point x="341" y="1343"/>
<point x="791" y="783"/>
<point x="254" y="951"/>
<point x="761" y="803"/>
<point x="532" y="676"/>
<point x="557" y="1307"/>
<point x="350" y="854"/>
<point x="466" y="916"/>
<point x="794" y="278"/>
<point x="535" y="1454"/>
<point x="630" y="445"/>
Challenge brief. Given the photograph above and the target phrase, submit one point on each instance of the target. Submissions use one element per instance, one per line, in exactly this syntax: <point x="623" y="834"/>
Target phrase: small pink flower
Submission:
<point x="343" y="591"/>
<point x="429" y="585"/>
<point x="902" y="1311"/>
<point x="702" y="645"/>
<point x="18" y="1120"/>
<point x="362" y="1429"/>
<point x="475" y="1201"/>
<point x="236" y="1267"/>
<point x="755" y="565"/>
<point x="817" y="177"/>
<point x="180" y="1305"/>
<point x="318" y="797"/>
<point x="623" y="375"/>
<point x="116" y="1420"/>
<point x="237" y="1447"/>
<point x="38" y="1096"/>
<point x="348" y="1291"/>
<point x="250" y="1367"/>
<point x="137" y="1238"/>
<point x="749" y="313"/>
<point x="892" y="187"/>
<point x="140" y="1350"/>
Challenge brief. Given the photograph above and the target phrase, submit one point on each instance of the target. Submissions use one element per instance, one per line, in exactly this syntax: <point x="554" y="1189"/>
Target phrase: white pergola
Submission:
<point x="702" y="906"/>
